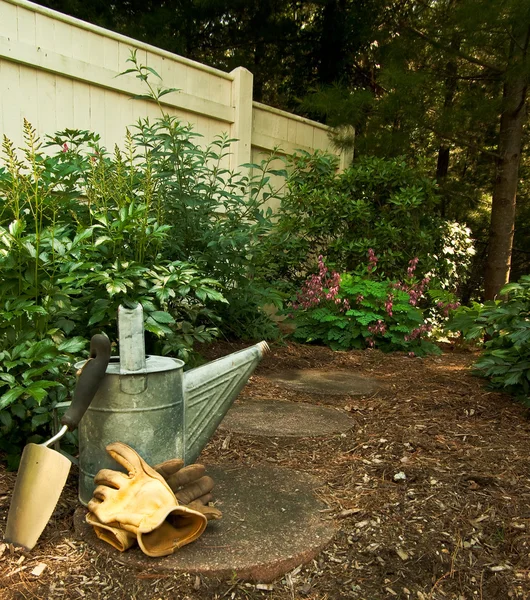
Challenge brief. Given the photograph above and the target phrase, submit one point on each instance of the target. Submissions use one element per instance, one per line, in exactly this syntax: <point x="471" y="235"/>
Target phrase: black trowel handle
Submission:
<point x="89" y="379"/>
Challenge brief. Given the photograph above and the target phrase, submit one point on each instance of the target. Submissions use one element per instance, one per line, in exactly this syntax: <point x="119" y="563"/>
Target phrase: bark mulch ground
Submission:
<point x="431" y="489"/>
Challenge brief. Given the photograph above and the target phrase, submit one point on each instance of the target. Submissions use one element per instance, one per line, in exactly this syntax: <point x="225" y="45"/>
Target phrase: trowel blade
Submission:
<point x="41" y="477"/>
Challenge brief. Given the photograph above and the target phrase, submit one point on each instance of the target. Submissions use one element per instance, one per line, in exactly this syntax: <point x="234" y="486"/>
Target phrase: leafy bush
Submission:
<point x="375" y="203"/>
<point x="82" y="231"/>
<point x="505" y="327"/>
<point x="76" y="240"/>
<point x="216" y="215"/>
<point x="354" y="311"/>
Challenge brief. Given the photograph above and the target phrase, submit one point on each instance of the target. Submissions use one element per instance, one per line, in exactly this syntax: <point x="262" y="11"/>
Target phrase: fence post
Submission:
<point x="242" y="127"/>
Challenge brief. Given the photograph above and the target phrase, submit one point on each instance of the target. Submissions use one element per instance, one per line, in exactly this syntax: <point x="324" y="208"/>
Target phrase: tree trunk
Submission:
<point x="333" y="42"/>
<point x="506" y="179"/>
<point x="450" y="83"/>
<point x="442" y="168"/>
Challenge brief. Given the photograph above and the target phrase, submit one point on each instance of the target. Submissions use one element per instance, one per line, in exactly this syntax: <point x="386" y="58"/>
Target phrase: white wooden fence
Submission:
<point x="59" y="72"/>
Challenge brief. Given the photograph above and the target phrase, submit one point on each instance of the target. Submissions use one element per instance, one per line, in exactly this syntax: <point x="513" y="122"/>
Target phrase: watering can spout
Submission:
<point x="210" y="390"/>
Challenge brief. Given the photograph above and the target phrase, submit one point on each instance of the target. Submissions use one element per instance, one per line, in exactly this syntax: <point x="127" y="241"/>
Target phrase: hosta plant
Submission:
<point x="504" y="327"/>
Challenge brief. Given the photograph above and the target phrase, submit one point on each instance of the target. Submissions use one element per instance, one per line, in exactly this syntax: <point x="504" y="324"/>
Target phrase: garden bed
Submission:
<point x="431" y="489"/>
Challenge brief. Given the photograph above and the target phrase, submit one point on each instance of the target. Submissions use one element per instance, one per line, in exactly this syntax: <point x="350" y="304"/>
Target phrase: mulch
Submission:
<point x="430" y="488"/>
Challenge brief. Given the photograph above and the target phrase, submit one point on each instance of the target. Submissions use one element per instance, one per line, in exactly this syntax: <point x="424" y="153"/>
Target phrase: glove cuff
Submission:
<point x="179" y="527"/>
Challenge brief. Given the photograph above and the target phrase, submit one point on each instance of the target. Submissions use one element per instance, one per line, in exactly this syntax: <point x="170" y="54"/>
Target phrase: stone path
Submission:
<point x="316" y="381"/>
<point x="270" y="525"/>
<point x="278" y="418"/>
<point x="271" y="521"/>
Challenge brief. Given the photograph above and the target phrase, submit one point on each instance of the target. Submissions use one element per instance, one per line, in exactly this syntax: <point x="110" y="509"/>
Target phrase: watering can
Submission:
<point x="149" y="403"/>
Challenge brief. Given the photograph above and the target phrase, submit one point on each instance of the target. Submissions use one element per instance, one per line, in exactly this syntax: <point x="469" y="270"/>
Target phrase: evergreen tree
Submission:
<point x="451" y="83"/>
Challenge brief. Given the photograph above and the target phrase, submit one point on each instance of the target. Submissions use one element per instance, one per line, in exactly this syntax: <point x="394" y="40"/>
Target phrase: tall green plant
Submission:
<point x="217" y="215"/>
<point x="78" y="236"/>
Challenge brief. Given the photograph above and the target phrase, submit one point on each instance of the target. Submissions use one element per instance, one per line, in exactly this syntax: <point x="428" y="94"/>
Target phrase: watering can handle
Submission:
<point x="89" y="379"/>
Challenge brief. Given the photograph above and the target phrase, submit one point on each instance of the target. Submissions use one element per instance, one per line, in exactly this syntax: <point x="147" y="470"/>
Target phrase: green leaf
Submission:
<point x="8" y="378"/>
<point x="38" y="389"/>
<point x="151" y="70"/>
<point x="115" y="287"/>
<point x="102" y="239"/>
<point x="162" y="317"/>
<point x="97" y="317"/>
<point x="41" y="419"/>
<point x="6" y="419"/>
<point x="45" y="349"/>
<point x="16" y="227"/>
<point x="158" y="329"/>
<point x="73" y="345"/>
<point x="18" y="410"/>
<point x="30" y="248"/>
<point x="10" y="396"/>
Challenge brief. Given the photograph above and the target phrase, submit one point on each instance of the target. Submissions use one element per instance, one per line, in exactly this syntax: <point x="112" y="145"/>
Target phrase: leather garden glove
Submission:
<point x="190" y="485"/>
<point x="142" y="503"/>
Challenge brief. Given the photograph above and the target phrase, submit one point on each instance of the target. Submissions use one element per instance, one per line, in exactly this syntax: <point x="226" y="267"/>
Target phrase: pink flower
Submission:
<point x="321" y="287"/>
<point x="378" y="329"/>
<point x="389" y="304"/>
<point x="446" y="307"/>
<point x="412" y="267"/>
<point x="65" y="147"/>
<point x="372" y="260"/>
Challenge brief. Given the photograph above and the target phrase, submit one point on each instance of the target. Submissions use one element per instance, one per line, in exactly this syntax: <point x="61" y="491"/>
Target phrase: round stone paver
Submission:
<point x="271" y="524"/>
<point x="317" y="381"/>
<point x="278" y="418"/>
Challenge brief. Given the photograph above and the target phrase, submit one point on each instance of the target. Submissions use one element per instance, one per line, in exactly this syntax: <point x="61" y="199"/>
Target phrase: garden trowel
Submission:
<point x="43" y="472"/>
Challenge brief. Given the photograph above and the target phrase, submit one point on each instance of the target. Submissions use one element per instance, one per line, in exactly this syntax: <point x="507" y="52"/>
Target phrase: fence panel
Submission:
<point x="59" y="72"/>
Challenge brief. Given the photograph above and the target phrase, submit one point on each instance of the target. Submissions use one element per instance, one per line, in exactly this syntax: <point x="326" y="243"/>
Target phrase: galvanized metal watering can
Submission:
<point x="149" y="403"/>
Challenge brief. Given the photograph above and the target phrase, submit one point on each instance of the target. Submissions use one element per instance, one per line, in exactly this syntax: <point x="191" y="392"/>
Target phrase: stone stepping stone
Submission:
<point x="271" y="524"/>
<point x="325" y="382"/>
<point x="279" y="418"/>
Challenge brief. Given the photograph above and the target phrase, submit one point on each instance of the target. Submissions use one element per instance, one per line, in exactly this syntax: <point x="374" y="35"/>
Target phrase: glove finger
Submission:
<point x="130" y="460"/>
<point x="185" y="476"/>
<point x="111" y="533"/>
<point x="110" y="478"/>
<point x="195" y="490"/>
<point x="204" y="499"/>
<point x="169" y="467"/>
<point x="180" y="528"/>
<point x="210" y="512"/>
<point x="101" y="494"/>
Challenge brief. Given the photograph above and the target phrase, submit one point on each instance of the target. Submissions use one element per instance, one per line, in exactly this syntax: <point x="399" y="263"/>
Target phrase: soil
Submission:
<point x="430" y="489"/>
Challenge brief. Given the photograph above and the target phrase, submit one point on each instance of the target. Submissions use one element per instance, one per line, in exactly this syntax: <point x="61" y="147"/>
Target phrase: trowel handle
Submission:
<point x="89" y="379"/>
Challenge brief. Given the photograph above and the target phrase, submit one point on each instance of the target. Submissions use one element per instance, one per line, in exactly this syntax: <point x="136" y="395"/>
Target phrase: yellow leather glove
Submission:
<point x="143" y="504"/>
<point x="190" y="485"/>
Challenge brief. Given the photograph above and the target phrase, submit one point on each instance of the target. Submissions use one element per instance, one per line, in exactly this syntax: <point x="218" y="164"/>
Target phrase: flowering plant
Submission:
<point x="355" y="311"/>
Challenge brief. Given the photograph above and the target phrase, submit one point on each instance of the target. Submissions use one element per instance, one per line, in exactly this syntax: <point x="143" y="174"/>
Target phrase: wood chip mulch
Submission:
<point x="431" y="489"/>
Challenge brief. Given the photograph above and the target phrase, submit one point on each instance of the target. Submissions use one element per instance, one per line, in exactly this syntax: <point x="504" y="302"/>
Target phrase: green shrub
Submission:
<point x="161" y="222"/>
<point x="216" y="215"/>
<point x="355" y="311"/>
<point x="375" y="203"/>
<point x="76" y="240"/>
<point x="504" y="326"/>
